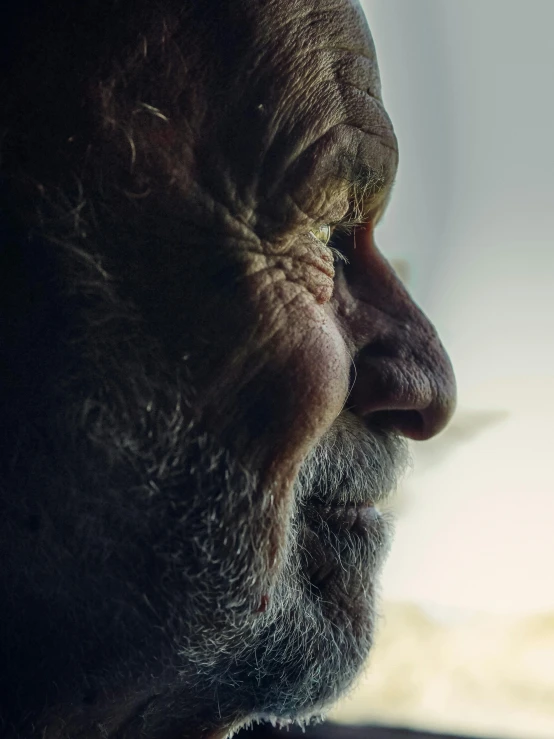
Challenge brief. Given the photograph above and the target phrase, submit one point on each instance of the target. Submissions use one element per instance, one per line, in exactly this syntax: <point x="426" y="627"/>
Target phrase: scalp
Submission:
<point x="229" y="93"/>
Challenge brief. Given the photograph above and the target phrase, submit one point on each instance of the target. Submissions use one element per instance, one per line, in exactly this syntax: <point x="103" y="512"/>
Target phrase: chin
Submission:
<point x="319" y="627"/>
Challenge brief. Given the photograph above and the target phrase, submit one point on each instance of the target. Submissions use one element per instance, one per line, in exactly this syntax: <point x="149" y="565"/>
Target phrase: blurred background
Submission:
<point x="466" y="643"/>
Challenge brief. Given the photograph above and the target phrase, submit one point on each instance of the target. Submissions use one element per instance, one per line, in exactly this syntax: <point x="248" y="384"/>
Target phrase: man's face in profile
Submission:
<point x="208" y="369"/>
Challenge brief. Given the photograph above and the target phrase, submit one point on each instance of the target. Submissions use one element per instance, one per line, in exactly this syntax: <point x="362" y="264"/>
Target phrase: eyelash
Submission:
<point x="340" y="227"/>
<point x="338" y="256"/>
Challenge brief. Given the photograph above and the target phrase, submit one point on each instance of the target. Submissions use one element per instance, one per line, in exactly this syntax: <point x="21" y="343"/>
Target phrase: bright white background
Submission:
<point x="469" y="85"/>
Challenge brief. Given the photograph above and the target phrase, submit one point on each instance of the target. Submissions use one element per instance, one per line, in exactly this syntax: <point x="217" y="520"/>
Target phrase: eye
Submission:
<point x="322" y="233"/>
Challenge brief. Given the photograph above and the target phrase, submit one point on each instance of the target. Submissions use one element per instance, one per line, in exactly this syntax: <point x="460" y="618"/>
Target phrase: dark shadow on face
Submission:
<point x="202" y="408"/>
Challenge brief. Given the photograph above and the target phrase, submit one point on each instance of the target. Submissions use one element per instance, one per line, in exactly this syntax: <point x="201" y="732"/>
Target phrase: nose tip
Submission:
<point x="404" y="380"/>
<point x="418" y="425"/>
<point x="412" y="396"/>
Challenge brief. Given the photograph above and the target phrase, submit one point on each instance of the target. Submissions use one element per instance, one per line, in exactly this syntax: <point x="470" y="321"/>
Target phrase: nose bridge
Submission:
<point x="403" y="378"/>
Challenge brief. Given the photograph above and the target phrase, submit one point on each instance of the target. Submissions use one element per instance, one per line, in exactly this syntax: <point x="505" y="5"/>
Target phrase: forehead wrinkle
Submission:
<point x="300" y="48"/>
<point x="303" y="121"/>
<point x="324" y="17"/>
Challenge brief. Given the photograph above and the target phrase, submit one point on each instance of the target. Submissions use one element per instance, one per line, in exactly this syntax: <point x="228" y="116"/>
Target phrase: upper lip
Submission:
<point x="355" y="492"/>
<point x="320" y="503"/>
<point x="353" y="466"/>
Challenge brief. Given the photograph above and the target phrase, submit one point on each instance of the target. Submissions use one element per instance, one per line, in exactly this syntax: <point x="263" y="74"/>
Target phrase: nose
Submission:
<point x="403" y="379"/>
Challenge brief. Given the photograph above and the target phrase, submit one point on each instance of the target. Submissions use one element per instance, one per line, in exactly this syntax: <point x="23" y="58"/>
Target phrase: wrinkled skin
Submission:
<point x="196" y="396"/>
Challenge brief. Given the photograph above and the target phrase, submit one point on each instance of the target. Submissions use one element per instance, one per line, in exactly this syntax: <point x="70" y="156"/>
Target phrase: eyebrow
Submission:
<point x="368" y="181"/>
<point x="367" y="189"/>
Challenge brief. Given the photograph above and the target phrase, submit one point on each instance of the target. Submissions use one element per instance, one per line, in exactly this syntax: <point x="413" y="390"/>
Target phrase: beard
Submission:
<point x="284" y="651"/>
<point x="319" y="627"/>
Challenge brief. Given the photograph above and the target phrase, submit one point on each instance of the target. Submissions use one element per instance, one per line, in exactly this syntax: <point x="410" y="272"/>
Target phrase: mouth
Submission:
<point x="348" y="517"/>
<point x="344" y="535"/>
<point x="343" y="542"/>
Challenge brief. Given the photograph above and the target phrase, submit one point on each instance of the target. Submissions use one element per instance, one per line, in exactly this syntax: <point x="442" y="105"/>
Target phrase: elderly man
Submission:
<point x="208" y="370"/>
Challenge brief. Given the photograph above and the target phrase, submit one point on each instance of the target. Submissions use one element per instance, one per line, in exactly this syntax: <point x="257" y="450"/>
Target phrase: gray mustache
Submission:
<point x="351" y="464"/>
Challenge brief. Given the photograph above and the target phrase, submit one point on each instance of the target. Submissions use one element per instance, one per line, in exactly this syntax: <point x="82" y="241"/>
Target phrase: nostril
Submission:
<point x="377" y="349"/>
<point x="408" y="423"/>
<point x="405" y="397"/>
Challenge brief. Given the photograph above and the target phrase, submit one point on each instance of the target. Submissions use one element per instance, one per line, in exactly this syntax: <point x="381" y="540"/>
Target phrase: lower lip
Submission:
<point x="361" y="518"/>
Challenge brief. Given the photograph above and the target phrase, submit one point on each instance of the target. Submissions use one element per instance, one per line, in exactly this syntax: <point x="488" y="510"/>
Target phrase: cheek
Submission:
<point x="304" y="384"/>
<point x="320" y="367"/>
<point x="310" y="367"/>
<point x="287" y="382"/>
<point x="305" y="387"/>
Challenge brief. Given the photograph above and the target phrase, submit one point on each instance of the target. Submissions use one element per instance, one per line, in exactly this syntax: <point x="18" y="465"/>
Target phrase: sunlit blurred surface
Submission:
<point x="476" y="674"/>
<point x="468" y="639"/>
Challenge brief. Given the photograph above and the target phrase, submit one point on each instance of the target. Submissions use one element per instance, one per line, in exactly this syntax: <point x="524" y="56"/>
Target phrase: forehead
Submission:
<point x="299" y="29"/>
<point x="320" y="98"/>
<point x="300" y="99"/>
<point x="344" y="16"/>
